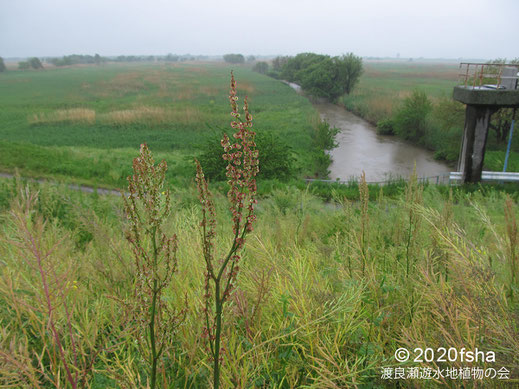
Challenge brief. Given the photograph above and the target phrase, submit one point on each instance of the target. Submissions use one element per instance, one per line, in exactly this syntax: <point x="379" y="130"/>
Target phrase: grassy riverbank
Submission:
<point x="385" y="86"/>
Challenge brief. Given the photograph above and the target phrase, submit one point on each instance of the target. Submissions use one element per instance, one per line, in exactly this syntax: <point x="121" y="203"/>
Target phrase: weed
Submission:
<point x="220" y="278"/>
<point x="148" y="207"/>
<point x="512" y="235"/>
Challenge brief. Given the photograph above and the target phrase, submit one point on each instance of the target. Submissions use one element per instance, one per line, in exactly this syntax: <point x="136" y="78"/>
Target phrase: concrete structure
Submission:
<point x="482" y="101"/>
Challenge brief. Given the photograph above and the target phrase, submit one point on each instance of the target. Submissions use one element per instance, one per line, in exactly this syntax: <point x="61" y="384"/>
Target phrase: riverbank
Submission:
<point x="384" y="90"/>
<point x="361" y="149"/>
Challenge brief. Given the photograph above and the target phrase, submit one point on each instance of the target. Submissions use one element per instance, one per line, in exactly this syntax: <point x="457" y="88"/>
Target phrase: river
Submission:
<point x="360" y="148"/>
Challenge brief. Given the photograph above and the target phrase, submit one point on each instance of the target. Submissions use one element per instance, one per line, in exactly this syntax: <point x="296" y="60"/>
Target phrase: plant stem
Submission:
<point x="152" y="315"/>
<point x="218" y="303"/>
<point x="408" y="244"/>
<point x="152" y="337"/>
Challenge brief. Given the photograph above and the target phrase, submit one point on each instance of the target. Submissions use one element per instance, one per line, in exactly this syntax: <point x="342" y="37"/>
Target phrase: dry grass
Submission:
<point x="154" y="115"/>
<point x="182" y="94"/>
<point x="246" y="87"/>
<point x="176" y="86"/>
<point x="140" y="114"/>
<point x="120" y="85"/>
<point x="211" y="91"/>
<point x="73" y="115"/>
<point x="381" y="106"/>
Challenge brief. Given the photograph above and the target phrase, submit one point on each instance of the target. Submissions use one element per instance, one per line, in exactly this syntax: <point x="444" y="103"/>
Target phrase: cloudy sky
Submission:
<point x="483" y="29"/>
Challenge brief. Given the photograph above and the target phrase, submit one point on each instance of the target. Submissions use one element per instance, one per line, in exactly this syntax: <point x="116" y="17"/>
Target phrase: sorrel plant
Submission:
<point x="221" y="275"/>
<point x="147" y="207"/>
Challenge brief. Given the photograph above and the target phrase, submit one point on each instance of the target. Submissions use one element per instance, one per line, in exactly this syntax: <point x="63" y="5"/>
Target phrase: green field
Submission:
<point x="384" y="84"/>
<point x="85" y="123"/>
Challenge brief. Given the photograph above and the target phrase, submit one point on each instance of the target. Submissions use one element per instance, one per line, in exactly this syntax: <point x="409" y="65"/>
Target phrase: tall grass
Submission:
<point x="305" y="314"/>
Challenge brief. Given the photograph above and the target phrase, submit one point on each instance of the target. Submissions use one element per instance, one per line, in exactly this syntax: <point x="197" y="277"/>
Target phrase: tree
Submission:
<point x="234" y="58"/>
<point x="35" y="63"/>
<point x="171" y="58"/>
<point x="251" y="58"/>
<point x="261" y="67"/>
<point x="279" y="62"/>
<point x="322" y="75"/>
<point x="319" y="79"/>
<point x="295" y="67"/>
<point x="23" y="65"/>
<point x="349" y="70"/>
<point x="2" y="65"/>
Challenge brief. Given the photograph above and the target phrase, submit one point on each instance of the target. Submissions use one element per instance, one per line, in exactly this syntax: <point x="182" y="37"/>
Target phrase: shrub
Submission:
<point x="410" y="119"/>
<point x="2" y="65"/>
<point x="444" y="128"/>
<point x="23" y="65"/>
<point x="277" y="161"/>
<point x="385" y="127"/>
<point x="324" y="136"/>
<point x="322" y="162"/>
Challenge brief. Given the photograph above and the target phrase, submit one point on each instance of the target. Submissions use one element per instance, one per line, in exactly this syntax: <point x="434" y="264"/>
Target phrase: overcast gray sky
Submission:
<point x="414" y="28"/>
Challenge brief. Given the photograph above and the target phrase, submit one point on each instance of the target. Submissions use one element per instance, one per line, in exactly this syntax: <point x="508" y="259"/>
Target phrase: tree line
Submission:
<point x="319" y="75"/>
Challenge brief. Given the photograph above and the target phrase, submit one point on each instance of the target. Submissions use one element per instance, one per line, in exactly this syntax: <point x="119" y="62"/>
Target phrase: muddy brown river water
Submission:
<point x="380" y="157"/>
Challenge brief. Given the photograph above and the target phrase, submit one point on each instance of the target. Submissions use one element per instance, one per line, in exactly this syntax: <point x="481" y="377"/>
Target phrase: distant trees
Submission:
<point x="261" y="67"/>
<point x="33" y="63"/>
<point x="279" y="62"/>
<point x="2" y="65"/>
<point x="321" y="75"/>
<point x="23" y="65"/>
<point x="234" y="58"/>
<point x="77" y="59"/>
<point x="171" y="58"/>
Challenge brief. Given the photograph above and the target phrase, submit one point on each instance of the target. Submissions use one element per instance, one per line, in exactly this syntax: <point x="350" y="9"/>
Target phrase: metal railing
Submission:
<point x="490" y="75"/>
<point x="438" y="179"/>
<point x="452" y="178"/>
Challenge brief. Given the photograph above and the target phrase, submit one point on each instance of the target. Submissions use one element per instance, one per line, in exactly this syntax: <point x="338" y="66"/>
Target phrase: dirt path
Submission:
<point x="81" y="188"/>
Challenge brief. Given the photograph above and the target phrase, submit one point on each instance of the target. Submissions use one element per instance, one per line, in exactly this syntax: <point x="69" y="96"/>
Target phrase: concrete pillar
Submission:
<point x="477" y="119"/>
